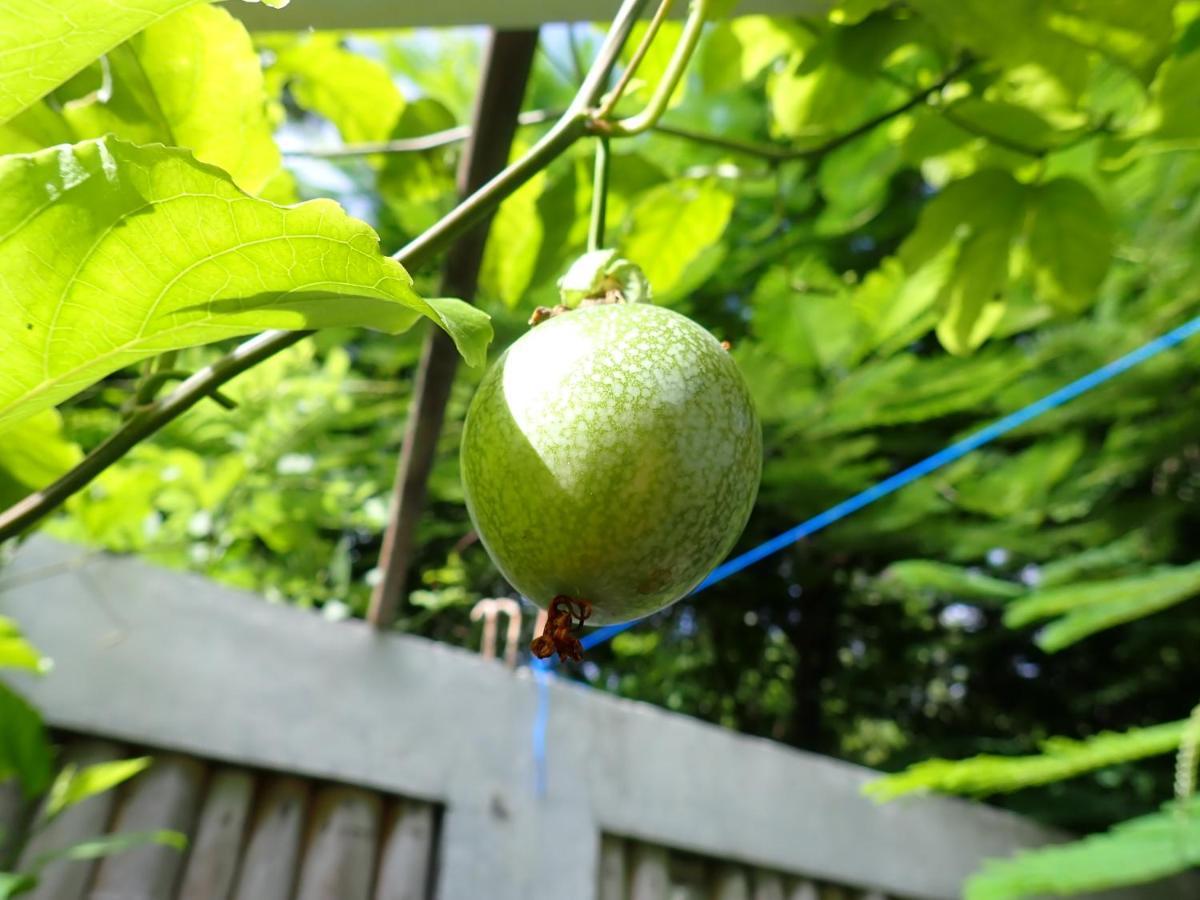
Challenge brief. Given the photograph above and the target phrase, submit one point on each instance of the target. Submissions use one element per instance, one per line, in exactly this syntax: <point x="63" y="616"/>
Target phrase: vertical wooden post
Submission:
<point x="505" y="73"/>
<point x="649" y="873"/>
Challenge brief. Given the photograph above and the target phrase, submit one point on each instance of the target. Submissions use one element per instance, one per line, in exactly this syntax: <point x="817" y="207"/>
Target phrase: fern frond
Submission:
<point x="1188" y="760"/>
<point x="1095" y="606"/>
<point x="1060" y="758"/>
<point x="1134" y="852"/>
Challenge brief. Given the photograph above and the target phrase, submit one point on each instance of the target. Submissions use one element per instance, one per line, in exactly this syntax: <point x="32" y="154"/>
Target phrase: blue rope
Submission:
<point x="944" y="457"/>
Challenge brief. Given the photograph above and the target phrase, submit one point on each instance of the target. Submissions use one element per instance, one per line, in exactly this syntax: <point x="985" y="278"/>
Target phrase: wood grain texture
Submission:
<point x="613" y="875"/>
<point x="165" y="796"/>
<point x="68" y="879"/>
<point x="406" y="855"/>
<point x="803" y="889"/>
<point x="766" y="885"/>
<point x="649" y="873"/>
<point x="339" y="859"/>
<point x="272" y="853"/>
<point x="731" y="883"/>
<point x="14" y="812"/>
<point x="216" y="847"/>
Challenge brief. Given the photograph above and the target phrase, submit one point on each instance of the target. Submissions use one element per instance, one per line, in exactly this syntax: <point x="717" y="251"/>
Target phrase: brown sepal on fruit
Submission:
<point x="565" y="616"/>
<point x="542" y="313"/>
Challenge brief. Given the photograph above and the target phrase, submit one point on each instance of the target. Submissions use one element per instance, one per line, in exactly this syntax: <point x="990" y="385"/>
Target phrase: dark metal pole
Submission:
<point x="503" y="79"/>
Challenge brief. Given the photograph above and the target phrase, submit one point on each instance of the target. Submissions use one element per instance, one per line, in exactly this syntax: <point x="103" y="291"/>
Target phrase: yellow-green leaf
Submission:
<point x="669" y="228"/>
<point x="73" y="784"/>
<point x="353" y="92"/>
<point x="191" y="80"/>
<point x="153" y="251"/>
<point x="1070" y="243"/>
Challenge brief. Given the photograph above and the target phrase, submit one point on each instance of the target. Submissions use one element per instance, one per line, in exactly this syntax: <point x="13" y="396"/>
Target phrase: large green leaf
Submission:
<point x="24" y="748"/>
<point x="44" y="44"/>
<point x="153" y="251"/>
<point x="418" y="188"/>
<point x="835" y="86"/>
<point x="1091" y="607"/>
<point x="895" y="304"/>
<point x="1070" y="243"/>
<point x="514" y="241"/>
<point x="32" y="454"/>
<point x="354" y="93"/>
<point x="191" y="80"/>
<point x="1057" y="36"/>
<point x="671" y="226"/>
<point x="1175" y="95"/>
<point x="801" y="314"/>
<point x="1134" y="852"/>
<point x="1061" y="758"/>
<point x="16" y="652"/>
<point x="736" y="52"/>
<point x="982" y="215"/>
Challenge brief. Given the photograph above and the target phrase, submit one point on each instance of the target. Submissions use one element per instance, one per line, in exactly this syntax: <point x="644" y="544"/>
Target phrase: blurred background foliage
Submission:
<point x="965" y="205"/>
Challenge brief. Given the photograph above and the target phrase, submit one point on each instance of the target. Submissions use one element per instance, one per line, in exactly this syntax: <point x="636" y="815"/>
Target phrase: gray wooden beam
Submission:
<point x="173" y="661"/>
<point x="216" y="849"/>
<point x="347" y="14"/>
<point x="502" y="83"/>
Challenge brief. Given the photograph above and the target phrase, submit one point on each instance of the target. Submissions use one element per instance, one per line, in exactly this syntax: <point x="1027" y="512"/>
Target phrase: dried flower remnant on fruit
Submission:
<point x="542" y="313"/>
<point x="566" y="615"/>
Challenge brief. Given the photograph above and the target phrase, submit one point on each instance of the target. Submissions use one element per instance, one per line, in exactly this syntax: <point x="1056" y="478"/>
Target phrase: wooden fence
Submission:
<point x="311" y="759"/>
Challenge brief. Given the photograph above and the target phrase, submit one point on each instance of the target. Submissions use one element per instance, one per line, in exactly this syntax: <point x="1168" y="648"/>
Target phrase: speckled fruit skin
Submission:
<point x="612" y="454"/>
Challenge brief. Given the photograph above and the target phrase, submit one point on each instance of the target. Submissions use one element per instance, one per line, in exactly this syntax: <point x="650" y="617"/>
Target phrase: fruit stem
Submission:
<point x="599" y="195"/>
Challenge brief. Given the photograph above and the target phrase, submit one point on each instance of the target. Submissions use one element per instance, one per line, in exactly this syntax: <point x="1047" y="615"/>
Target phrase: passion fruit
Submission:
<point x="611" y="455"/>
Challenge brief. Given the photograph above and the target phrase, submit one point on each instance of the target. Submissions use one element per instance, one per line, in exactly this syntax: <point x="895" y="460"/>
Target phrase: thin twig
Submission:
<point x="420" y="143"/>
<point x="599" y="196"/>
<point x="689" y="39"/>
<point x="639" y="54"/>
<point x="576" y="53"/>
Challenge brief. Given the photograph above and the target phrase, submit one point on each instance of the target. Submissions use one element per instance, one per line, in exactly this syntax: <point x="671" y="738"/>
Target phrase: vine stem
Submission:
<point x="768" y="152"/>
<point x="570" y="127"/>
<point x="599" y="195"/>
<point x="661" y="98"/>
<point x="614" y="96"/>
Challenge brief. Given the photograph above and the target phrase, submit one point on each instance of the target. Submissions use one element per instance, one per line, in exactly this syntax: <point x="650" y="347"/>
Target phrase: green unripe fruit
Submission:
<point x="611" y="454"/>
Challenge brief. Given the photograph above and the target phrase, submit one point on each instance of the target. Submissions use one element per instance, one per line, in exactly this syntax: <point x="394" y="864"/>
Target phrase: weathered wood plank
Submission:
<point x="269" y="864"/>
<point x="68" y="879"/>
<point x="803" y="889"/>
<point x="766" y="885"/>
<point x="167" y="795"/>
<point x="873" y="895"/>
<point x="731" y="883"/>
<point x="649" y="873"/>
<point x="14" y="809"/>
<point x="339" y="860"/>
<point x="613" y="877"/>
<point x="406" y="860"/>
<point x="217" y="846"/>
